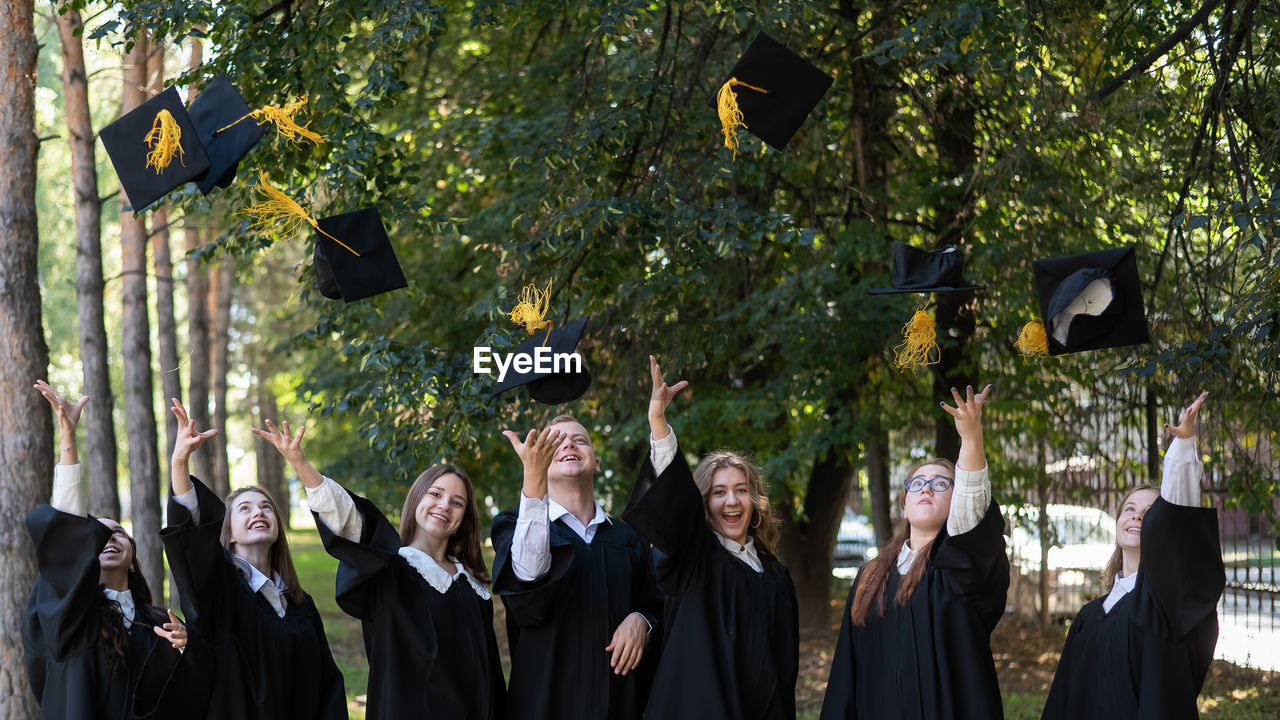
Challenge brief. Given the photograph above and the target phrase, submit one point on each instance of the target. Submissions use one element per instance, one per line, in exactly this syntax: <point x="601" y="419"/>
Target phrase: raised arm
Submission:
<point x="661" y="438"/>
<point x="1180" y="481"/>
<point x="326" y="498"/>
<point x="972" y="494"/>
<point x="68" y="494"/>
<point x="187" y="441"/>
<point x="290" y="446"/>
<point x="531" y="540"/>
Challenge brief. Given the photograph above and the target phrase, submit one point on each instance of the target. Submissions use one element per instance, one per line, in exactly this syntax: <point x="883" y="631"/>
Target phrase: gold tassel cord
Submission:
<point x="164" y="141"/>
<point x="919" y="343"/>
<point x="279" y="214"/>
<point x="1033" y="340"/>
<point x="730" y="114"/>
<point x="531" y="311"/>
<point x="283" y="119"/>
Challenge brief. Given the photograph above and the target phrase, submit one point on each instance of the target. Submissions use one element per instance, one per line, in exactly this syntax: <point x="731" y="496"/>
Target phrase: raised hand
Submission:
<point x="627" y="644"/>
<point x="659" y="398"/>
<point x="1186" y="427"/>
<point x="290" y="446"/>
<point x="173" y="631"/>
<point x="968" y="416"/>
<point x="67" y="412"/>
<point x="536" y="453"/>
<point x="186" y="442"/>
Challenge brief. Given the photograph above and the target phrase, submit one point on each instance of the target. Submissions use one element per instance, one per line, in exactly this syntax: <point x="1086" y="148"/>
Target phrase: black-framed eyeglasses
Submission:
<point x="938" y="483"/>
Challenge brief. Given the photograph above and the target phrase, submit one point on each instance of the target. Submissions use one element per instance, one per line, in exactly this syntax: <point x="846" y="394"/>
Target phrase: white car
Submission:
<point x="856" y="540"/>
<point x="1081" y="542"/>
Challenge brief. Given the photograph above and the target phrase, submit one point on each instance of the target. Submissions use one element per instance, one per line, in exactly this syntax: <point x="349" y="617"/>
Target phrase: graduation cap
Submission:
<point x="1091" y="301"/>
<point x="922" y="271"/>
<point x="354" y="258"/>
<point x="216" y="112"/>
<point x="558" y="385"/>
<point x="155" y="149"/>
<point x="770" y="92"/>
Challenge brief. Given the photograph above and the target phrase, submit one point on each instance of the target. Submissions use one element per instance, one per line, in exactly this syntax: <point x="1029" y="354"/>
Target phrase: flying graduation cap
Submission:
<point x="155" y="149"/>
<point x="1088" y="301"/>
<point x="769" y="92"/>
<point x="215" y="113"/>
<point x="363" y="265"/>
<point x="565" y="381"/>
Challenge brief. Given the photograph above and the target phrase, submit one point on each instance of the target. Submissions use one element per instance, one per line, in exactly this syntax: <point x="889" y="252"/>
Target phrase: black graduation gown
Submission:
<point x="1147" y="658"/>
<point x="732" y="645"/>
<point x="266" y="667"/>
<point x="73" y="675"/>
<point x="559" y="625"/>
<point x="932" y="659"/>
<point x="431" y="655"/>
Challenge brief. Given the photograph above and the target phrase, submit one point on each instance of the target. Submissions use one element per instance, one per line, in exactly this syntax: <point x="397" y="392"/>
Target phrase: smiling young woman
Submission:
<point x="732" y="633"/>
<point x="231" y="563"/>
<point x="421" y="593"/>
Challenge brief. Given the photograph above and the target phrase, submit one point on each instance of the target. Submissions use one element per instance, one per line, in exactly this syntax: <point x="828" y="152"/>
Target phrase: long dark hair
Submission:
<point x="111" y="631"/>
<point x="874" y="577"/>
<point x="281" y="558"/>
<point x="464" y="544"/>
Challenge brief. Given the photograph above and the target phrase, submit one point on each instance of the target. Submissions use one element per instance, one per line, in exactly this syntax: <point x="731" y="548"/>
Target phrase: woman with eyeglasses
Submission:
<point x="915" y="638"/>
<point x="1142" y="650"/>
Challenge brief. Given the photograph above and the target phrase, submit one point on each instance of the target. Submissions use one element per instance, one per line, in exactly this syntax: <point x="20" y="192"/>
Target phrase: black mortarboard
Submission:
<point x="773" y="89"/>
<point x="1091" y="301"/>
<point x="221" y="118"/>
<point x="373" y="272"/>
<point x="916" y="270"/>
<point x="550" y="388"/>
<point x="156" y="134"/>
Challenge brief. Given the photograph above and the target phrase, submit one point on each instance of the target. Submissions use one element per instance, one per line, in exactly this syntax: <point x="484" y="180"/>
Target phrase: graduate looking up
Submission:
<point x="731" y="649"/>
<point x="577" y="585"/>
<point x="421" y="592"/>
<point x="1142" y="651"/>
<point x="232" y="565"/>
<point x="915" y="639"/>
<point x="96" y="648"/>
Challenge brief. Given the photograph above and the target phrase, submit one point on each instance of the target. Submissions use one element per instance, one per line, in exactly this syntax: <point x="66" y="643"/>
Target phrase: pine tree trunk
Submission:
<point x="166" y="325"/>
<point x="808" y="545"/>
<point x="26" y="427"/>
<point x="220" y="292"/>
<point x="198" y="319"/>
<point x="270" y="462"/>
<point x="139" y="393"/>
<point x="98" y="421"/>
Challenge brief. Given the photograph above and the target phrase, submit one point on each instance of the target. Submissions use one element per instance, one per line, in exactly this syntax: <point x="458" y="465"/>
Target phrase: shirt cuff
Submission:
<point x="663" y="451"/>
<point x="335" y="508"/>
<point x="531" y="544"/>
<point x="191" y="502"/>
<point x="1182" y="450"/>
<point x="68" y="495"/>
<point x="971" y="479"/>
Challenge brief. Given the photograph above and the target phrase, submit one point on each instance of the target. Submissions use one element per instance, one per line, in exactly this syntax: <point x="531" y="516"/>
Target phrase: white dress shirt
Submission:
<point x="68" y="493"/>
<point x="1179" y="485"/>
<point x="123" y="598"/>
<point x="531" y="543"/>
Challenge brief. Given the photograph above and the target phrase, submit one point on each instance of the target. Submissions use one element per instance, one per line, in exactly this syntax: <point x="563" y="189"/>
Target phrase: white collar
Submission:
<point x="1121" y="587"/>
<point x="123" y="598"/>
<point x="746" y="553"/>
<point x="437" y="577"/>
<point x="555" y="511"/>
<point x="272" y="589"/>
<point x="906" y="556"/>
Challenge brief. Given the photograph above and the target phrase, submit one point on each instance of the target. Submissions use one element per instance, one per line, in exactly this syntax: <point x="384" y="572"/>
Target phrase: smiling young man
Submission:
<point x="577" y="585"/>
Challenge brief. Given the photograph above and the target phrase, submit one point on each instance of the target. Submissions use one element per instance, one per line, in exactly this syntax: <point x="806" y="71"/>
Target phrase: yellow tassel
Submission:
<point x="919" y="343"/>
<point x="278" y="214"/>
<point x="282" y="118"/>
<point x="1033" y="340"/>
<point x="165" y="141"/>
<point x="730" y="115"/>
<point x="532" y="308"/>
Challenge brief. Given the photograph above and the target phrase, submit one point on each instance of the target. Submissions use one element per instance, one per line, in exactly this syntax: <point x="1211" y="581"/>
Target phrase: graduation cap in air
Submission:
<point x="217" y="113"/>
<point x="769" y="92"/>
<point x="564" y="380"/>
<point x="155" y="149"/>
<point x="1091" y="301"/>
<point x="354" y="258"/>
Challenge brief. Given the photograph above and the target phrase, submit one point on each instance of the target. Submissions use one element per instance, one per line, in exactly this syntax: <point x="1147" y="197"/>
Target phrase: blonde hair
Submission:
<point x="765" y="529"/>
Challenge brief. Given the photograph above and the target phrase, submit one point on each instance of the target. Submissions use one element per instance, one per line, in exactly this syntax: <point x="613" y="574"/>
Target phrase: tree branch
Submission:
<point x="1179" y="34"/>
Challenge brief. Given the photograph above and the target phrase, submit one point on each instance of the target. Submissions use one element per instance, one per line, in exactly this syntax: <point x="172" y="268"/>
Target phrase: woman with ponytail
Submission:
<point x="96" y="646"/>
<point x="914" y="641"/>
<point x="731" y="649"/>
<point x="1142" y="650"/>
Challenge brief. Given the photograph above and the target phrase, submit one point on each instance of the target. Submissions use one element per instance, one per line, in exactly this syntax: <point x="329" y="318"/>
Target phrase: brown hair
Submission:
<point x="464" y="544"/>
<point x="874" y="577"/>
<point x="281" y="558"/>
<point x="1116" y="563"/>
<point x="765" y="529"/>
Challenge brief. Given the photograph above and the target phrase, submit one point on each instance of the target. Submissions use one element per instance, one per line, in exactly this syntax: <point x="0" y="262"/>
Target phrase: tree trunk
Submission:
<point x="878" y="477"/>
<point x="198" y="320"/>
<point x="139" y="393"/>
<point x="99" y="422"/>
<point x="26" y="428"/>
<point x="220" y="294"/>
<point x="166" y="324"/>
<point x="808" y="545"/>
<point x="1154" y="463"/>
<point x="270" y="462"/>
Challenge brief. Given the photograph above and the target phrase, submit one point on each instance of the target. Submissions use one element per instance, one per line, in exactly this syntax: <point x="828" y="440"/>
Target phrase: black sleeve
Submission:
<point x="974" y="566"/>
<point x="173" y="684"/>
<point x="668" y="511"/>
<point x="60" y="610"/>
<point x="330" y="687"/>
<point x="649" y="600"/>
<point x="361" y="563"/>
<point x="527" y="603"/>
<point x="201" y="568"/>
<point x="1182" y="572"/>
